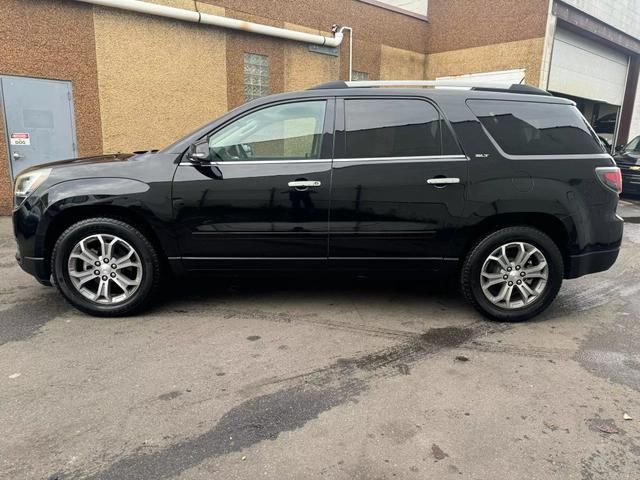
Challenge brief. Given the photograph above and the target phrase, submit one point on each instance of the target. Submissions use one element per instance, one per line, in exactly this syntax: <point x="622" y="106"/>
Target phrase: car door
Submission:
<point x="261" y="199"/>
<point x="399" y="180"/>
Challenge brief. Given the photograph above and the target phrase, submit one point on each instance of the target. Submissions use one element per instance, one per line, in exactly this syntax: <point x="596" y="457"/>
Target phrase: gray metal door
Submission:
<point x="39" y="121"/>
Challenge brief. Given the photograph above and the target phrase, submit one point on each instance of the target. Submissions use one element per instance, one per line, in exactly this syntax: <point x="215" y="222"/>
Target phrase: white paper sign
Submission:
<point x="20" y="139"/>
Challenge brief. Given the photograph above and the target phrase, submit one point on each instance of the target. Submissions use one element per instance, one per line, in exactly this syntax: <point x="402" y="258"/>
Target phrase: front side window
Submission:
<point x="291" y="131"/>
<point x="530" y="128"/>
<point x="395" y="128"/>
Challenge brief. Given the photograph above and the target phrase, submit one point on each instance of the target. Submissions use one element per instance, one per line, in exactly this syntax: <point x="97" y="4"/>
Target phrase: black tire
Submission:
<point x="151" y="266"/>
<point x="472" y="268"/>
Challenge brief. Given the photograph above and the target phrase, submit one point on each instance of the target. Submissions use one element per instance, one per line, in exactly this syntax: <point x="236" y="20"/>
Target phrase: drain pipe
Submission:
<point x="218" y="21"/>
<point x="336" y="30"/>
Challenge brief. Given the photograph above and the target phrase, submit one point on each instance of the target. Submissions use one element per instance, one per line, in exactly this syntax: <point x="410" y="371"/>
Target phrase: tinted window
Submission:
<point x="529" y="128"/>
<point x="292" y="131"/>
<point x="395" y="128"/>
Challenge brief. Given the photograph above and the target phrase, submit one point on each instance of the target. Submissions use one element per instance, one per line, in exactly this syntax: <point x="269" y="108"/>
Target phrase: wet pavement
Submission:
<point x="322" y="378"/>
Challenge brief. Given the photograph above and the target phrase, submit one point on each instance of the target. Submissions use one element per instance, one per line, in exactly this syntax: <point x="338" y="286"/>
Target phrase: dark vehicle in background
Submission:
<point x="628" y="159"/>
<point x="606" y="124"/>
<point x="507" y="188"/>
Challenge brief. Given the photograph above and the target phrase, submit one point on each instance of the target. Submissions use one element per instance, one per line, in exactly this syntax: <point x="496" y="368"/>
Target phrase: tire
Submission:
<point x="481" y="268"/>
<point x="133" y="279"/>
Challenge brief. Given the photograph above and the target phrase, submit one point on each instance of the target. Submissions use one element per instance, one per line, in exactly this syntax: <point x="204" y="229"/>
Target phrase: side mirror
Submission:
<point x="199" y="152"/>
<point x="619" y="148"/>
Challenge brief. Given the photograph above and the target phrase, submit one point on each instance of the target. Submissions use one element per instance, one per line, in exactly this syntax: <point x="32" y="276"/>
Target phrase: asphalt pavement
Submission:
<point x="333" y="378"/>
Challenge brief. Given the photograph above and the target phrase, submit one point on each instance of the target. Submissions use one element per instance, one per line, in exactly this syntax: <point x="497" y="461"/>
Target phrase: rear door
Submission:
<point x="399" y="180"/>
<point x="262" y="200"/>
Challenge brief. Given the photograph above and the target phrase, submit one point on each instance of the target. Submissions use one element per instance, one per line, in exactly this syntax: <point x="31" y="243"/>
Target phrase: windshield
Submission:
<point x="633" y="146"/>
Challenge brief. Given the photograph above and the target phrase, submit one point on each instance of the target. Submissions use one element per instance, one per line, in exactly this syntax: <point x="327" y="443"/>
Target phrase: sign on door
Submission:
<point x="20" y="139"/>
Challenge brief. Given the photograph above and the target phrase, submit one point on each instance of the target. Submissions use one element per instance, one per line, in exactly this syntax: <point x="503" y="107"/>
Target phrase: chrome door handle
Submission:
<point x="443" y="181"/>
<point x="305" y="183"/>
<point x="16" y="156"/>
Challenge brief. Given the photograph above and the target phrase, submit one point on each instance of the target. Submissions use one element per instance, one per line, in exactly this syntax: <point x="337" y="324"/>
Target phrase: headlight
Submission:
<point x="27" y="183"/>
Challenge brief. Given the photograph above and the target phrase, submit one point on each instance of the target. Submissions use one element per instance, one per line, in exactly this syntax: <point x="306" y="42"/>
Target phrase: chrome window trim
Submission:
<point x="431" y="158"/>
<point x="565" y="156"/>
<point x="428" y="158"/>
<point x="253" y="162"/>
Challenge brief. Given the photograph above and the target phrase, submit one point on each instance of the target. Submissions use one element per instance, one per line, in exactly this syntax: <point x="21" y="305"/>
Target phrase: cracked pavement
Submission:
<point x="322" y="378"/>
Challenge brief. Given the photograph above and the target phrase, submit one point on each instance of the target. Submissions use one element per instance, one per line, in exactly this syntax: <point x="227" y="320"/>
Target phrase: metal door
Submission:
<point x="39" y="121"/>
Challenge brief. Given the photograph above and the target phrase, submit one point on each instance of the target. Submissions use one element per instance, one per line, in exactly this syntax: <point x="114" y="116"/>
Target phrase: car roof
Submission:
<point x="435" y="93"/>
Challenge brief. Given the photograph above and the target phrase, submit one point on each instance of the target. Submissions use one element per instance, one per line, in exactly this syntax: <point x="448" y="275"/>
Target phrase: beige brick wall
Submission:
<point x="303" y="69"/>
<point x="525" y="54"/>
<point x="158" y="78"/>
<point x="398" y="64"/>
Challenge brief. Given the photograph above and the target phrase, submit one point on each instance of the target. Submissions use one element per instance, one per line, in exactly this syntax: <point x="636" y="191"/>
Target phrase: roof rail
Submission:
<point x="480" y="86"/>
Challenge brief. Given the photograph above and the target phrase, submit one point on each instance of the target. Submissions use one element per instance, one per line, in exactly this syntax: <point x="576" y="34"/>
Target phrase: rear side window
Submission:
<point x="529" y="128"/>
<point x="395" y="128"/>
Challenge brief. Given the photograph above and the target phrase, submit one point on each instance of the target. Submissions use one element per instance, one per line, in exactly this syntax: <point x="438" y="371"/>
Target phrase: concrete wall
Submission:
<point x="623" y="15"/>
<point x="46" y="39"/>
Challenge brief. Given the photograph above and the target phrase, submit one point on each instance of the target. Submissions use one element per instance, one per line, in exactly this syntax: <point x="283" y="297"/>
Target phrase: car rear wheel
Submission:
<point x="513" y="274"/>
<point x="105" y="267"/>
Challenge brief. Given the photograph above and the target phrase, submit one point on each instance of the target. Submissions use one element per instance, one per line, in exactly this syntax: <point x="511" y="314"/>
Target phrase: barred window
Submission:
<point x="256" y="76"/>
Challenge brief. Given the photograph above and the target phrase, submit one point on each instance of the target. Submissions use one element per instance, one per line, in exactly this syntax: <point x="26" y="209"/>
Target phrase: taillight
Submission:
<point x="610" y="177"/>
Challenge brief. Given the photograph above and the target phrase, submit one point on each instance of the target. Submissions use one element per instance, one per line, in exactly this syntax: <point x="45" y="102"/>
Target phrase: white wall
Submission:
<point x="623" y="15"/>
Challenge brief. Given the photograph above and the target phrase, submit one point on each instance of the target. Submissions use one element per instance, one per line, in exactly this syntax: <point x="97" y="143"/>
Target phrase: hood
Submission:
<point x="629" y="158"/>
<point x="94" y="160"/>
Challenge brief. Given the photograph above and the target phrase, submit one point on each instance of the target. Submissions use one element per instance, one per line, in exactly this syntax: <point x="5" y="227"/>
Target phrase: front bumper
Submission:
<point x="36" y="267"/>
<point x="592" y="262"/>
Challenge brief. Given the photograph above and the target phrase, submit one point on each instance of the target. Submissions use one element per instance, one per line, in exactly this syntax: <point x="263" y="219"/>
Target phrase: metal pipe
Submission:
<point x="350" y="49"/>
<point x="218" y="21"/>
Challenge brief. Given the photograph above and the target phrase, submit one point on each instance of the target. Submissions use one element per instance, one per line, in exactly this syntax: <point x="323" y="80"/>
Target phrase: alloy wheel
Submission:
<point x="514" y="276"/>
<point x="105" y="269"/>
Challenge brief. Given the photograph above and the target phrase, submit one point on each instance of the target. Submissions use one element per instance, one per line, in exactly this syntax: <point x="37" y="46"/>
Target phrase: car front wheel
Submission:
<point x="513" y="274"/>
<point x="105" y="267"/>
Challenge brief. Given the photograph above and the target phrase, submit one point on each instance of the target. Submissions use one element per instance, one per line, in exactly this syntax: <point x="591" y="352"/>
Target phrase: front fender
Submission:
<point x="100" y="196"/>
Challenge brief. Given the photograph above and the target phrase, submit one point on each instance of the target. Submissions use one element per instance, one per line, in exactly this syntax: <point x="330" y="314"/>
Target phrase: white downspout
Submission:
<point x="340" y="30"/>
<point x="218" y="21"/>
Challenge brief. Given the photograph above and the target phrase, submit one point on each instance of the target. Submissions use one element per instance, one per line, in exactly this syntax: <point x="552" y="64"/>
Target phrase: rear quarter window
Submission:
<point x="531" y="128"/>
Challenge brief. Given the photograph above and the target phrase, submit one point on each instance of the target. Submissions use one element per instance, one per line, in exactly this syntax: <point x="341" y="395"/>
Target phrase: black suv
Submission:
<point x="508" y="188"/>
